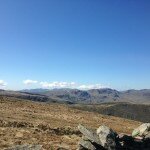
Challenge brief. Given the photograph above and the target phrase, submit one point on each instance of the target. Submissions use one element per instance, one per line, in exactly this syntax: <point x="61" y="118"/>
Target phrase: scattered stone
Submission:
<point x="25" y="147"/>
<point x="106" y="139"/>
<point x="19" y="134"/>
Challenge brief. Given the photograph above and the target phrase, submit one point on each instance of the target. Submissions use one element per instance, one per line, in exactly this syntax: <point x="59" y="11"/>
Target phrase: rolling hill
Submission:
<point x="51" y="125"/>
<point x="131" y="104"/>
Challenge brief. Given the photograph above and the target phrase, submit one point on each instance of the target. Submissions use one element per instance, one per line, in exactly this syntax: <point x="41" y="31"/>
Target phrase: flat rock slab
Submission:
<point x="87" y="144"/>
<point x="90" y="135"/>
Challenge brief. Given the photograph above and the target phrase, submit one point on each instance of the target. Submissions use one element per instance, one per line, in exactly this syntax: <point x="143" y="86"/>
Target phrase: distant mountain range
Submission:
<point x="94" y="95"/>
<point x="24" y="95"/>
<point x="82" y="96"/>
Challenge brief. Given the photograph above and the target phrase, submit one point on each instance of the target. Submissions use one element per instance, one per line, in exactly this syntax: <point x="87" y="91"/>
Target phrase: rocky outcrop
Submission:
<point x="106" y="139"/>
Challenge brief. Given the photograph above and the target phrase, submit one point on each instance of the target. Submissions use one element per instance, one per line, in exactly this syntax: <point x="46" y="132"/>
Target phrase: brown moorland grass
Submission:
<point x="51" y="125"/>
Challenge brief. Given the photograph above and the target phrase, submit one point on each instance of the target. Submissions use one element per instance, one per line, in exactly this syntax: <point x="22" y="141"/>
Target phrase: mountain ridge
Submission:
<point x="92" y="96"/>
<point x="95" y="95"/>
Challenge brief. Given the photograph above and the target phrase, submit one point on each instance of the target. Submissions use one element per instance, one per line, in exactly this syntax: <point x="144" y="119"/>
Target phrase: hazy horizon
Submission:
<point x="74" y="44"/>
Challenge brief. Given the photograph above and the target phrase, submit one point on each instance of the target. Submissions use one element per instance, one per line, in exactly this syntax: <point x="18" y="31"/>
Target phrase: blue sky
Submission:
<point x="93" y="43"/>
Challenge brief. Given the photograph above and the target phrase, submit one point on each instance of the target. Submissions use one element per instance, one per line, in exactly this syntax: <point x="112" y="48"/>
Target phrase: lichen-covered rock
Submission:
<point x="142" y="130"/>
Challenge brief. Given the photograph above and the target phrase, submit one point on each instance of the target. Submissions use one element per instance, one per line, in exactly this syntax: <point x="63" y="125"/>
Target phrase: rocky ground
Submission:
<point x="51" y="125"/>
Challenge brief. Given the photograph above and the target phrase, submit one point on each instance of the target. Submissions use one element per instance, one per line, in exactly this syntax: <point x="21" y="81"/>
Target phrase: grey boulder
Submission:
<point x="90" y="135"/>
<point x="107" y="137"/>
